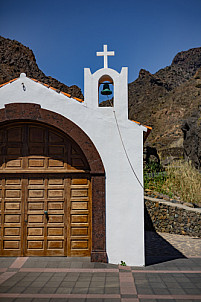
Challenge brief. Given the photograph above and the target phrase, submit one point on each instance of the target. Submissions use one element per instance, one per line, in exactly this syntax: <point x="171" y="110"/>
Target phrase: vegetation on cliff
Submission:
<point x="180" y="181"/>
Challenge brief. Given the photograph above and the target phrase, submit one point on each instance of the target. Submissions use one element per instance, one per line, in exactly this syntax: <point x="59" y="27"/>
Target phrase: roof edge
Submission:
<point x="148" y="127"/>
<point x="48" y="86"/>
<point x="58" y="91"/>
<point x="145" y="134"/>
<point x="8" y="82"/>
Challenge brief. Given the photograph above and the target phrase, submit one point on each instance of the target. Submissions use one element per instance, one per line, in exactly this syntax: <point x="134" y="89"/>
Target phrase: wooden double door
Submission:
<point x="45" y="199"/>
<point x="45" y="216"/>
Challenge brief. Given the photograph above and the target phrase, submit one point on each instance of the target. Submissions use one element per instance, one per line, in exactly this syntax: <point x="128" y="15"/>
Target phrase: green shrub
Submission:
<point x="154" y="177"/>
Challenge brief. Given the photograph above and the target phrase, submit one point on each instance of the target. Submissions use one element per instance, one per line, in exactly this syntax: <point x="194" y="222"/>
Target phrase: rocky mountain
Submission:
<point x="16" y="58"/>
<point x="164" y="99"/>
<point x="192" y="138"/>
<point x="183" y="67"/>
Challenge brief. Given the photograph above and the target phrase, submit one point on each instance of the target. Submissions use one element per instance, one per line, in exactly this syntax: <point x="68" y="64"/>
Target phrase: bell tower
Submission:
<point x="119" y="81"/>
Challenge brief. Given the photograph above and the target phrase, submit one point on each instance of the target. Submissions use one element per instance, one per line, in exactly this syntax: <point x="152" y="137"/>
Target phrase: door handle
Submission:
<point x="46" y="215"/>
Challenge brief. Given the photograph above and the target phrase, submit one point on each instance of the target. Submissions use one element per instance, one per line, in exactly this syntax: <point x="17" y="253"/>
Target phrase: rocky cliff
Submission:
<point x="164" y="99"/>
<point x="16" y="58"/>
<point x="192" y="138"/>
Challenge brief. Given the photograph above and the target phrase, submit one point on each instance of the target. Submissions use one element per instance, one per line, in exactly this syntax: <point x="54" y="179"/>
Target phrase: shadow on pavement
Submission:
<point x="158" y="250"/>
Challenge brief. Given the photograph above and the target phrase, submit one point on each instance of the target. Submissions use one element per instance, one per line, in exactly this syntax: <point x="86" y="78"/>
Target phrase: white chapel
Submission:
<point x="71" y="171"/>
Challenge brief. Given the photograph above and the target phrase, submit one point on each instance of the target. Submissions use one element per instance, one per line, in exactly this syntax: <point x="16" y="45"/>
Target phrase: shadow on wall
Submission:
<point x="157" y="249"/>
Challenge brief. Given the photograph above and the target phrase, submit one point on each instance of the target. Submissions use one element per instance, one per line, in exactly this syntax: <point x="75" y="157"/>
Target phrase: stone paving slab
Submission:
<point x="188" y="246"/>
<point x="130" y="284"/>
<point x="167" y="277"/>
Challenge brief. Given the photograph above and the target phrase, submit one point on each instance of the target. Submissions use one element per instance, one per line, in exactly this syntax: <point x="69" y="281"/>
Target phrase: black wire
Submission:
<point x="124" y="146"/>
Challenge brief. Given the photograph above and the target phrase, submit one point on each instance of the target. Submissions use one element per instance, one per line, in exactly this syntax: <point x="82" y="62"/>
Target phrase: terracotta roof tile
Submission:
<point x="79" y="100"/>
<point x="8" y="82"/>
<point x="53" y="88"/>
<point x="48" y="86"/>
<point x="148" y="127"/>
<point x="67" y="94"/>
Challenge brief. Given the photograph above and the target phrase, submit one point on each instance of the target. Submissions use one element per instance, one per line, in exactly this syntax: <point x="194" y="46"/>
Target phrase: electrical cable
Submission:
<point x="124" y="146"/>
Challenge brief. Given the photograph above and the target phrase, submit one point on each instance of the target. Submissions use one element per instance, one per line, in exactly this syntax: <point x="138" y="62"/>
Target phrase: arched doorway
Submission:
<point x="50" y="187"/>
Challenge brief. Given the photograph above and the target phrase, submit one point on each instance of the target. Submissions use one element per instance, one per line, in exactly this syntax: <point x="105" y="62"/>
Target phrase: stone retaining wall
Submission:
<point x="171" y="218"/>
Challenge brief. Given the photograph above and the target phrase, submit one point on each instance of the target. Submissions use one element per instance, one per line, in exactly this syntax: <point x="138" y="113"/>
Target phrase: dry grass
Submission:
<point x="185" y="181"/>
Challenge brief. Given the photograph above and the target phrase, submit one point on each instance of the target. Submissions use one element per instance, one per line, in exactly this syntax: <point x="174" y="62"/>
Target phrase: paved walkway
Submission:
<point x="168" y="276"/>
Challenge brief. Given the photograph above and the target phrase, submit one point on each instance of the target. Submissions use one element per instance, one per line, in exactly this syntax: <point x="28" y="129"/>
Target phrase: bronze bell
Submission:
<point x="106" y="89"/>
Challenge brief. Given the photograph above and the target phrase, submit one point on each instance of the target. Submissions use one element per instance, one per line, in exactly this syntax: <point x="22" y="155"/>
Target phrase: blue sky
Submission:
<point x="65" y="35"/>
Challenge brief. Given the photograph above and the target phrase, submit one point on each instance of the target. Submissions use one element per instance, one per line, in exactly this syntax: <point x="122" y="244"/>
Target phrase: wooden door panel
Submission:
<point x="14" y="134"/>
<point x="11" y="162"/>
<point x="13" y="181"/>
<point x="36" y="163"/>
<point x="12" y="193"/>
<point x="35" y="206"/>
<point x="79" y="234"/>
<point x="80" y="219"/>
<point x="36" y="193"/>
<point x="56" y="231"/>
<point x="12" y="217"/>
<point x="36" y="181"/>
<point x="35" y="247"/>
<point x="11" y="246"/>
<point x="36" y="134"/>
<point x="35" y="149"/>
<point x="54" y="244"/>
<point x="79" y="231"/>
<point x="79" y="245"/>
<point x="55" y="193"/>
<point x="13" y="139"/>
<point x="56" y="226"/>
<point x="55" y="205"/>
<point x="35" y="231"/>
<point x="14" y="150"/>
<point x="46" y="195"/>
<point x="79" y="205"/>
<point x="56" y="181"/>
<point x="55" y="219"/>
<point x="11" y="231"/>
<point x="79" y="192"/>
<point x="34" y="213"/>
<point x="54" y="138"/>
<point x="36" y="218"/>
<point x="12" y="206"/>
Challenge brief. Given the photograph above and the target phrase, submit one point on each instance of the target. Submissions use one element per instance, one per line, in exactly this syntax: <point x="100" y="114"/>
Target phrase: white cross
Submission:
<point x="105" y="54"/>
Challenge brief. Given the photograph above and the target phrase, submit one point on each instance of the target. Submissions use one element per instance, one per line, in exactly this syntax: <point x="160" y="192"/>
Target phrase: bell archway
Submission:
<point x="105" y="91"/>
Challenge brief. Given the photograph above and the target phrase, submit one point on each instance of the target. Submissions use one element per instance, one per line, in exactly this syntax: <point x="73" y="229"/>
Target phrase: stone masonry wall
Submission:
<point x="171" y="218"/>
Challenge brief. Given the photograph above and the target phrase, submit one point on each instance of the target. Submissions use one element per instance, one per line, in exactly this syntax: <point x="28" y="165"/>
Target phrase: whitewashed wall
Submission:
<point x="124" y="194"/>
